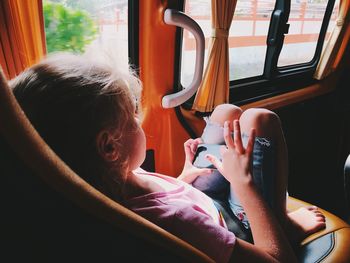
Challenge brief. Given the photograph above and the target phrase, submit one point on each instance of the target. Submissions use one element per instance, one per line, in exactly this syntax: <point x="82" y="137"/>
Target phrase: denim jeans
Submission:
<point x="263" y="172"/>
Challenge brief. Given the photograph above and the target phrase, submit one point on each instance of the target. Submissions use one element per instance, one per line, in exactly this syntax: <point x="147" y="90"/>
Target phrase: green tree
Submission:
<point x="67" y="29"/>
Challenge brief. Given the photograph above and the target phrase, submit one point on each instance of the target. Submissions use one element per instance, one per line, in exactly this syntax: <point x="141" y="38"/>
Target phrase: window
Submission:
<point x="75" y="26"/>
<point x="248" y="31"/>
<point x="305" y="20"/>
<point x="250" y="57"/>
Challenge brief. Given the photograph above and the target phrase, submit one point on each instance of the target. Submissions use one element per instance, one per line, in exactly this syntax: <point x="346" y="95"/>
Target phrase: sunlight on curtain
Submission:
<point x="22" y="38"/>
<point x="214" y="89"/>
<point x="337" y="43"/>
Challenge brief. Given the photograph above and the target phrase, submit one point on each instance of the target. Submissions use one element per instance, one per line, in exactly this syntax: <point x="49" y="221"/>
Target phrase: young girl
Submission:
<point x="87" y="112"/>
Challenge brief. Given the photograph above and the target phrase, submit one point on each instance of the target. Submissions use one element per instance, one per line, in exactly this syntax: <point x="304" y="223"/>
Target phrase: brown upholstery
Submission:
<point x="334" y="223"/>
<point x="19" y="135"/>
<point x="340" y="252"/>
<point x="17" y="131"/>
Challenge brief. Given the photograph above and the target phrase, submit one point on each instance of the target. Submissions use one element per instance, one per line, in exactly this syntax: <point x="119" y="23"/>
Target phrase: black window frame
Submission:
<point x="133" y="34"/>
<point x="278" y="80"/>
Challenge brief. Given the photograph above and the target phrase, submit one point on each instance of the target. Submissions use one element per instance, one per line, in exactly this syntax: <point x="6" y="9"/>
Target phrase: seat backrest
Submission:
<point x="347" y="185"/>
<point x="49" y="213"/>
<point x="40" y="225"/>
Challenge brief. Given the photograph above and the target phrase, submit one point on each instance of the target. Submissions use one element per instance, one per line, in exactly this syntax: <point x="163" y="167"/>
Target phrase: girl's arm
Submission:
<point x="270" y="243"/>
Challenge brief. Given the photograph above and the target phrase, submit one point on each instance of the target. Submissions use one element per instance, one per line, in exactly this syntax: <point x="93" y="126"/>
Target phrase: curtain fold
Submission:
<point x="214" y="88"/>
<point x="336" y="44"/>
<point x="22" y="37"/>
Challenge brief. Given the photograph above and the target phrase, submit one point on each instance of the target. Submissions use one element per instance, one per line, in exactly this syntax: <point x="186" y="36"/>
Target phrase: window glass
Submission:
<point x="75" y="25"/>
<point x="332" y="22"/>
<point x="247" y="37"/>
<point x="305" y="21"/>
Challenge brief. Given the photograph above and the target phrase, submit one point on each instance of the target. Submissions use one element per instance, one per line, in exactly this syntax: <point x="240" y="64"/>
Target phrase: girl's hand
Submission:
<point x="236" y="165"/>
<point x="190" y="172"/>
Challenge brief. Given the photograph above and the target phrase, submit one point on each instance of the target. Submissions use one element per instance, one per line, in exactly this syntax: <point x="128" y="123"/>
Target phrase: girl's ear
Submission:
<point x="106" y="146"/>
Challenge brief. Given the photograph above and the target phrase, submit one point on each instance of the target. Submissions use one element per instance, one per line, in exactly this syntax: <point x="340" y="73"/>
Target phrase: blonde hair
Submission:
<point x="70" y="99"/>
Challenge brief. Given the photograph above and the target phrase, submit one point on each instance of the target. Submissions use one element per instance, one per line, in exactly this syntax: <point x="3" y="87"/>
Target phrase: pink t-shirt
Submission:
<point x="188" y="214"/>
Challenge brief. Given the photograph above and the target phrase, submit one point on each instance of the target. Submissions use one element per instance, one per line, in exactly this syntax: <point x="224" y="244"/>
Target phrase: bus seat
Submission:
<point x="347" y="185"/>
<point x="328" y="245"/>
<point x="50" y="214"/>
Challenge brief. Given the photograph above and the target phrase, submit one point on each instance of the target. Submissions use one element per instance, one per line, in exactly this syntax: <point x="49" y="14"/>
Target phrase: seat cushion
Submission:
<point x="331" y="244"/>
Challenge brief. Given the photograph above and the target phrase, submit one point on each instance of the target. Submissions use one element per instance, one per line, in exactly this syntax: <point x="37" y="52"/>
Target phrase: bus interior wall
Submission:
<point x="318" y="138"/>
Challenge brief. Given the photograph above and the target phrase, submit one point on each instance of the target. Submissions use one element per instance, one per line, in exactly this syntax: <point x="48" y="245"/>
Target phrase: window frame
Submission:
<point x="133" y="34"/>
<point x="284" y="79"/>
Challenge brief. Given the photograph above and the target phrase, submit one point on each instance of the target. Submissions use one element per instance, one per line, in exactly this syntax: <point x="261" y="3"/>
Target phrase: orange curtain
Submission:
<point x="22" y="37"/>
<point x="214" y="89"/>
<point x="336" y="45"/>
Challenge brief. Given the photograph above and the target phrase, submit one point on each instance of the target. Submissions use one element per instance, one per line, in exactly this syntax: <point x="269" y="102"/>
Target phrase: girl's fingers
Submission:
<point x="222" y="150"/>
<point x="228" y="135"/>
<point x="188" y="151"/>
<point x="188" y="142"/>
<point x="193" y="144"/>
<point x="237" y="137"/>
<point x="193" y="147"/>
<point x="204" y="171"/>
<point x="215" y="161"/>
<point x="198" y="140"/>
<point x="251" y="141"/>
